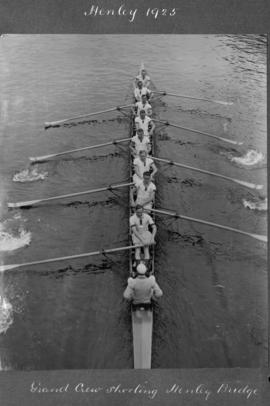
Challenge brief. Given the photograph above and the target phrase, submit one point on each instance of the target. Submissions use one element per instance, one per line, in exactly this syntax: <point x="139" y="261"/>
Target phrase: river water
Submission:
<point x="71" y="314"/>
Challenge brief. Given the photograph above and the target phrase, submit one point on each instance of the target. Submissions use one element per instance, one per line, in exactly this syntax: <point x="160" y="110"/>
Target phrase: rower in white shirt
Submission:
<point x="142" y="164"/>
<point x="139" y="224"/>
<point x="144" y="191"/>
<point x="140" y="142"/>
<point x="144" y="78"/>
<point x="142" y="105"/>
<point x="145" y="122"/>
<point x="141" y="90"/>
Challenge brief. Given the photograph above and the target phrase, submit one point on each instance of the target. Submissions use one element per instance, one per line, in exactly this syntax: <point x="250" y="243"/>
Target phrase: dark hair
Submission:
<point x="138" y="207"/>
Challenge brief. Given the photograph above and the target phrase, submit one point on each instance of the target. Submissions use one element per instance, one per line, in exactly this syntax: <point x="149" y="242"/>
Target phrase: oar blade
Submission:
<point x="248" y="184"/>
<point x="259" y="237"/>
<point x="40" y="158"/>
<point x="4" y="268"/>
<point x="224" y="103"/>
<point x="22" y="204"/>
<point x="229" y="141"/>
<point x="52" y="124"/>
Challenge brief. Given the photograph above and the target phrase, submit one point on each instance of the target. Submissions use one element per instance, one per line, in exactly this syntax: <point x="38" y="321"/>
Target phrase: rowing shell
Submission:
<point x="142" y="318"/>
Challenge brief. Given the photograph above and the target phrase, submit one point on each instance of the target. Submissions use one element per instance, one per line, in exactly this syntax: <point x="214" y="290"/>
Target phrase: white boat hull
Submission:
<point x="142" y="327"/>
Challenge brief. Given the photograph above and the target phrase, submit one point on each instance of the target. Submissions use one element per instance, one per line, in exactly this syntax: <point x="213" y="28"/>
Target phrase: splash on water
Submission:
<point x="251" y="158"/>
<point x="6" y="315"/>
<point x="260" y="205"/>
<point x="29" y="175"/>
<point x="12" y="240"/>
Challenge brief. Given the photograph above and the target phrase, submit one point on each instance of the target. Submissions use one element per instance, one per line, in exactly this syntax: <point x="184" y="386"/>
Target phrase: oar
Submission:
<point x="56" y="123"/>
<point x="47" y="261"/>
<point x="46" y="157"/>
<point x="199" y="132"/>
<point x="240" y="182"/>
<point x="224" y="103"/>
<point x="32" y="202"/>
<point x="235" y="230"/>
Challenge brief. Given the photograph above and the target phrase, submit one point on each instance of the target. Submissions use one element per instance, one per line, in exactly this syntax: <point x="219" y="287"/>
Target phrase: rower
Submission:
<point x="145" y="122"/>
<point x="140" y="142"/>
<point x="145" y="192"/>
<point x="142" y="105"/>
<point x="141" y="90"/>
<point x="144" y="78"/>
<point x="139" y="223"/>
<point x="142" y="289"/>
<point x="143" y="163"/>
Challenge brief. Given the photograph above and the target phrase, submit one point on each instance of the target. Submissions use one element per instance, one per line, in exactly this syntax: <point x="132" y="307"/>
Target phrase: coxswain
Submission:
<point x="141" y="90"/>
<point x="143" y="163"/>
<point x="145" y="193"/>
<point x="140" y="142"/>
<point x="145" y="122"/>
<point x="142" y="105"/>
<point x="139" y="223"/>
<point x="142" y="289"/>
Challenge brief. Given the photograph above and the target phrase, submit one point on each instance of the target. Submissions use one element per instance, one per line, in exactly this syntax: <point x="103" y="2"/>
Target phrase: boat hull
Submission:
<point x="142" y="328"/>
<point x="142" y="320"/>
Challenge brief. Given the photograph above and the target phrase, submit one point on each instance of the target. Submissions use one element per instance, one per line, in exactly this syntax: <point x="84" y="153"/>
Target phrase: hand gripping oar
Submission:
<point x="56" y="123"/>
<point x="47" y="261"/>
<point x="199" y="132"/>
<point x="32" y="202"/>
<point x="240" y="182"/>
<point x="46" y="157"/>
<point x="235" y="230"/>
<point x="224" y="103"/>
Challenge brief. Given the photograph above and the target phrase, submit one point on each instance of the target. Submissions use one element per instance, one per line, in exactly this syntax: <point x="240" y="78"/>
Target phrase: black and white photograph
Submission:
<point x="133" y="201"/>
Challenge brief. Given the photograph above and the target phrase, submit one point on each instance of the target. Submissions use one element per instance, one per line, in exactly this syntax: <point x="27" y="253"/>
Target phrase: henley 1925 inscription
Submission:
<point x="131" y="14"/>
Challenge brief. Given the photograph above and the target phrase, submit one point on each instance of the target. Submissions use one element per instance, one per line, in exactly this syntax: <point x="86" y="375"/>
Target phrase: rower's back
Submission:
<point x="144" y="288"/>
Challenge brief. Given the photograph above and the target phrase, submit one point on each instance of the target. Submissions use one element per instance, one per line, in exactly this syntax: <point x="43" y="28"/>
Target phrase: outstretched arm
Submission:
<point x="154" y="168"/>
<point x="157" y="292"/>
<point x="132" y="193"/>
<point x="128" y="293"/>
<point x="152" y="124"/>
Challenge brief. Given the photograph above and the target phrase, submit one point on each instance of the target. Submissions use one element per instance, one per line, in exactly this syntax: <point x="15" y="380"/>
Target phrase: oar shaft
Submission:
<point x="41" y="158"/>
<point x="211" y="224"/>
<point x="240" y="182"/>
<point x="69" y="257"/>
<point x="102" y="189"/>
<point x="198" y="132"/>
<point x="192" y="98"/>
<point x="32" y="202"/>
<point x="53" y="123"/>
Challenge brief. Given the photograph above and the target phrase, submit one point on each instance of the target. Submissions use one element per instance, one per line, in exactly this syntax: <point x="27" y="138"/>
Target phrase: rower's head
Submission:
<point x="141" y="269"/>
<point x="139" y="84"/>
<point x="146" y="177"/>
<point x="140" y="133"/>
<point x="143" y="73"/>
<point x="143" y="155"/>
<point x="139" y="210"/>
<point x="142" y="114"/>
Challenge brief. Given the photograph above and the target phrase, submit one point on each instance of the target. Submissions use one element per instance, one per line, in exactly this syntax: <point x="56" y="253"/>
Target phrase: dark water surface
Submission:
<point x="71" y="314"/>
